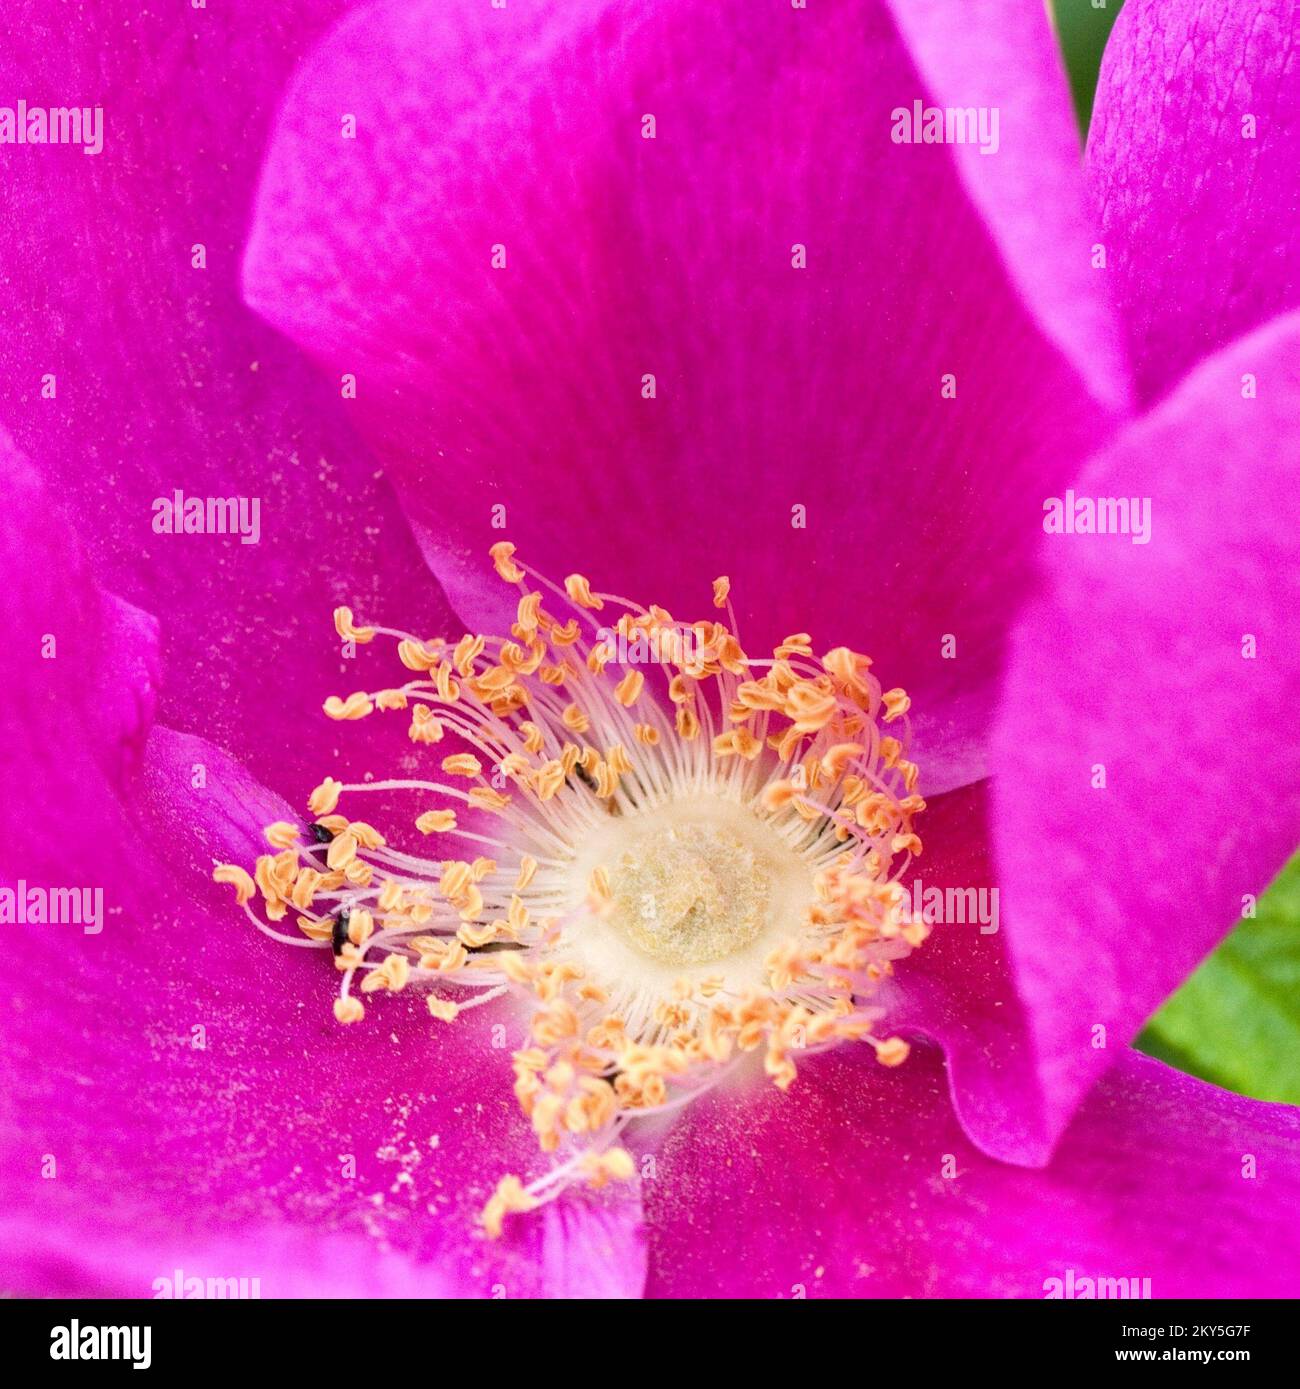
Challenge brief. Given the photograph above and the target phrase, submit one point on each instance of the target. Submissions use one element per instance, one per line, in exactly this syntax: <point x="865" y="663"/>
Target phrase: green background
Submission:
<point x="1236" y="1021"/>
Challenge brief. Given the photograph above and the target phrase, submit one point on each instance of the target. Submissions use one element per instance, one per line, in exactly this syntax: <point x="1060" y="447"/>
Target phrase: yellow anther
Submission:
<point x="349" y="1009"/>
<point x="778" y="794"/>
<point x="616" y="1165"/>
<point x="493" y="681"/>
<point x="342" y="850"/>
<point x="393" y="974"/>
<point x="896" y="704"/>
<point x="838" y="757"/>
<point x="238" y="878"/>
<point x="467" y="650"/>
<point x="848" y="668"/>
<point x="462" y="764"/>
<point x="893" y="1051"/>
<point x="356" y="706"/>
<point x="359" y="873"/>
<point x="628" y="690"/>
<point x="550" y="778"/>
<point x="348" y="630"/>
<point x="436" y="821"/>
<point x="475" y="937"/>
<point x="367" y="836"/>
<point x="721" y="588"/>
<point x="361" y="926"/>
<point x="281" y="834"/>
<point x="304" y="888"/>
<point x="485" y="798"/>
<point x="419" y="656"/>
<point x="575" y="720"/>
<point x="810" y="706"/>
<point x="517" y="916"/>
<point x="456" y="878"/>
<point x="501" y="554"/>
<point x="530" y="606"/>
<point x="448" y="689"/>
<point x="579" y="591"/>
<point x="738" y="743"/>
<point x="325" y="797"/>
<point x="619" y="762"/>
<point x="533" y="738"/>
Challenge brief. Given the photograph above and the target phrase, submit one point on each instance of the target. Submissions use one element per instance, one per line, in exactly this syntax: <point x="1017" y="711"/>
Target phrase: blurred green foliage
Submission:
<point x="1083" y="26"/>
<point x="1236" y="1021"/>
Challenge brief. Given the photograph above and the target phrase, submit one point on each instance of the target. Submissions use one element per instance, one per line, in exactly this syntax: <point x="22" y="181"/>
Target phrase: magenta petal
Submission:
<point x="1031" y="195"/>
<point x="859" y="1183"/>
<point x="79" y="670"/>
<point x="1192" y="154"/>
<point x="511" y="401"/>
<point x="163" y="379"/>
<point x="46" y="1254"/>
<point x="959" y="989"/>
<point x="175" y="1090"/>
<point x="1170" y="669"/>
<point x="204" y="1111"/>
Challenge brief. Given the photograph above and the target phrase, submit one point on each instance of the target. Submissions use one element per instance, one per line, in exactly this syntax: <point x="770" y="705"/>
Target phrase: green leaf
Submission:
<point x="1083" y="28"/>
<point x="1236" y="1021"/>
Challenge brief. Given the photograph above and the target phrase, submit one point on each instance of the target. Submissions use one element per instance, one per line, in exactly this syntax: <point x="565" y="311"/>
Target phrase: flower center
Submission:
<point x="701" y="881"/>
<point x="686" y="896"/>
<point x="669" y="866"/>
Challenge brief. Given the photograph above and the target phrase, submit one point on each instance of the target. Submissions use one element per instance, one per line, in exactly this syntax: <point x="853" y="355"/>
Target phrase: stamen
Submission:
<point x="678" y="870"/>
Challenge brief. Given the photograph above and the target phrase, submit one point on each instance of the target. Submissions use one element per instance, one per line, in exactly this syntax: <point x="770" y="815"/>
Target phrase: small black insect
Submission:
<point x="339" y="935"/>
<point x="321" y="835"/>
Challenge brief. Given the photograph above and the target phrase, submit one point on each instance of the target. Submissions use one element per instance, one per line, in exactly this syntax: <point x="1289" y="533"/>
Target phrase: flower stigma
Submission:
<point x="669" y="854"/>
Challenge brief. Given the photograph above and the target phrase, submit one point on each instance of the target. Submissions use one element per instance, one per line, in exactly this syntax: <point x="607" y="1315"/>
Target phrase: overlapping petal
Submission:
<point x="1147" y="785"/>
<point x="162" y="380"/>
<point x="860" y="1183"/>
<point x="176" y="1092"/>
<point x="507" y="260"/>
<point x="959" y="988"/>
<point x="1192" y="158"/>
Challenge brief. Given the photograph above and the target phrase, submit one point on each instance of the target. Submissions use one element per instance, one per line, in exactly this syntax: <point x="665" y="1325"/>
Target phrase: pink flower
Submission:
<point x="753" y="336"/>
